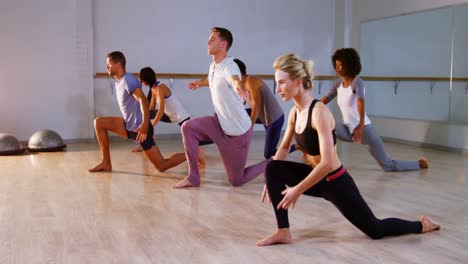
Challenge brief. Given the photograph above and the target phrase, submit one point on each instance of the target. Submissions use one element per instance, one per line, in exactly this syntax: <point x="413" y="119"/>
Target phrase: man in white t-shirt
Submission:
<point x="230" y="128"/>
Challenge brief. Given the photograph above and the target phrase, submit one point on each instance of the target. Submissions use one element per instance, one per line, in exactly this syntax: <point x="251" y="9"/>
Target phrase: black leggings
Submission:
<point x="342" y="192"/>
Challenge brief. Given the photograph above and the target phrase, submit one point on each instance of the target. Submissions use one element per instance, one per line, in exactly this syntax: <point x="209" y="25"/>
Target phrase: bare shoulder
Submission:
<point x="321" y="107"/>
<point x="292" y="114"/>
<point x="322" y="115"/>
<point x="254" y="81"/>
<point x="163" y="90"/>
<point x="162" y="86"/>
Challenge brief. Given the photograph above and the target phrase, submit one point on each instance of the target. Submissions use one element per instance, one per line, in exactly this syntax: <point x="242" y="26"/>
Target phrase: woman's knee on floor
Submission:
<point x="161" y="167"/>
<point x="387" y="166"/>
<point x="373" y="231"/>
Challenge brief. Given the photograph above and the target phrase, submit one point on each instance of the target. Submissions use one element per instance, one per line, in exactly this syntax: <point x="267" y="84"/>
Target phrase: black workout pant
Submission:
<point x="342" y="192"/>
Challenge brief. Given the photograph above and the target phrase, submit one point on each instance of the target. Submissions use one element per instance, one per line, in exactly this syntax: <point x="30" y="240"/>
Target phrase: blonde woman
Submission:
<point x="313" y="126"/>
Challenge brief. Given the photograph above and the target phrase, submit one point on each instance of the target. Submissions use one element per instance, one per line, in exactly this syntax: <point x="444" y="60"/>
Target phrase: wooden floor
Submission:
<point x="53" y="211"/>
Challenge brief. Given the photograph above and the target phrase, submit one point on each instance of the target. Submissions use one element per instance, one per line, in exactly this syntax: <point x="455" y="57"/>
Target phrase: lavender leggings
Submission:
<point x="233" y="149"/>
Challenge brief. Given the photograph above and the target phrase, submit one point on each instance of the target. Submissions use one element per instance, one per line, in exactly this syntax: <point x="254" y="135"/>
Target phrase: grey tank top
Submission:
<point x="270" y="109"/>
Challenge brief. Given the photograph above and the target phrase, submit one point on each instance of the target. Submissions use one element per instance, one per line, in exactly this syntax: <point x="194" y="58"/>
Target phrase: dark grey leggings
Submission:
<point x="342" y="192"/>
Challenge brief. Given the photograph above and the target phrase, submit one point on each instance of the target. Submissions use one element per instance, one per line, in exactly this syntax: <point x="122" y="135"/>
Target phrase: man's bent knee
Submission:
<point x="97" y="121"/>
<point x="186" y="126"/>
<point x="236" y="182"/>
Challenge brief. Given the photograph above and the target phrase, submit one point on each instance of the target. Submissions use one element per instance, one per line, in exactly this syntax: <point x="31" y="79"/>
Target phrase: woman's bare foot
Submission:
<point x="423" y="163"/>
<point x="281" y="236"/>
<point x="137" y="149"/>
<point x="201" y="159"/>
<point x="428" y="224"/>
<point x="103" y="166"/>
<point x="183" y="184"/>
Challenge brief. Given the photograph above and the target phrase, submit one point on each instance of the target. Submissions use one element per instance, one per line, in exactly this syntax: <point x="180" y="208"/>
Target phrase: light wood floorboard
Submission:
<point x="53" y="211"/>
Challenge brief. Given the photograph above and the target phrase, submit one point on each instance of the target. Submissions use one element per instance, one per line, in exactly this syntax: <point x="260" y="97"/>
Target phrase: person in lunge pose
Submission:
<point x="170" y="109"/>
<point x="265" y="109"/>
<point x="230" y="128"/>
<point x="357" y="126"/>
<point x="313" y="126"/>
<point x="135" y="123"/>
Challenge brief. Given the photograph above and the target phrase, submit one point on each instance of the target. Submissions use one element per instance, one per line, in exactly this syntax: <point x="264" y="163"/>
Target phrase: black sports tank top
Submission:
<point x="308" y="139"/>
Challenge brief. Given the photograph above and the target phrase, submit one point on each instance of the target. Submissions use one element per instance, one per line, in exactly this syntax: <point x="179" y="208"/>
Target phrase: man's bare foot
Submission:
<point x="201" y="159"/>
<point x="183" y="184"/>
<point x="101" y="167"/>
<point x="137" y="149"/>
<point x="428" y="224"/>
<point x="281" y="236"/>
<point x="201" y="166"/>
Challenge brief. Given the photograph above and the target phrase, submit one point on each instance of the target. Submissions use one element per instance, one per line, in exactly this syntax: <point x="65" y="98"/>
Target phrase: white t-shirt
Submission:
<point x="228" y="104"/>
<point x="347" y="101"/>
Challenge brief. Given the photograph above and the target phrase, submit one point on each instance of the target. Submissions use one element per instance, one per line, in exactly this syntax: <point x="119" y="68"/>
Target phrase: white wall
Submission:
<point x="171" y="36"/>
<point x="426" y="132"/>
<point x="45" y="73"/>
<point x="50" y="50"/>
